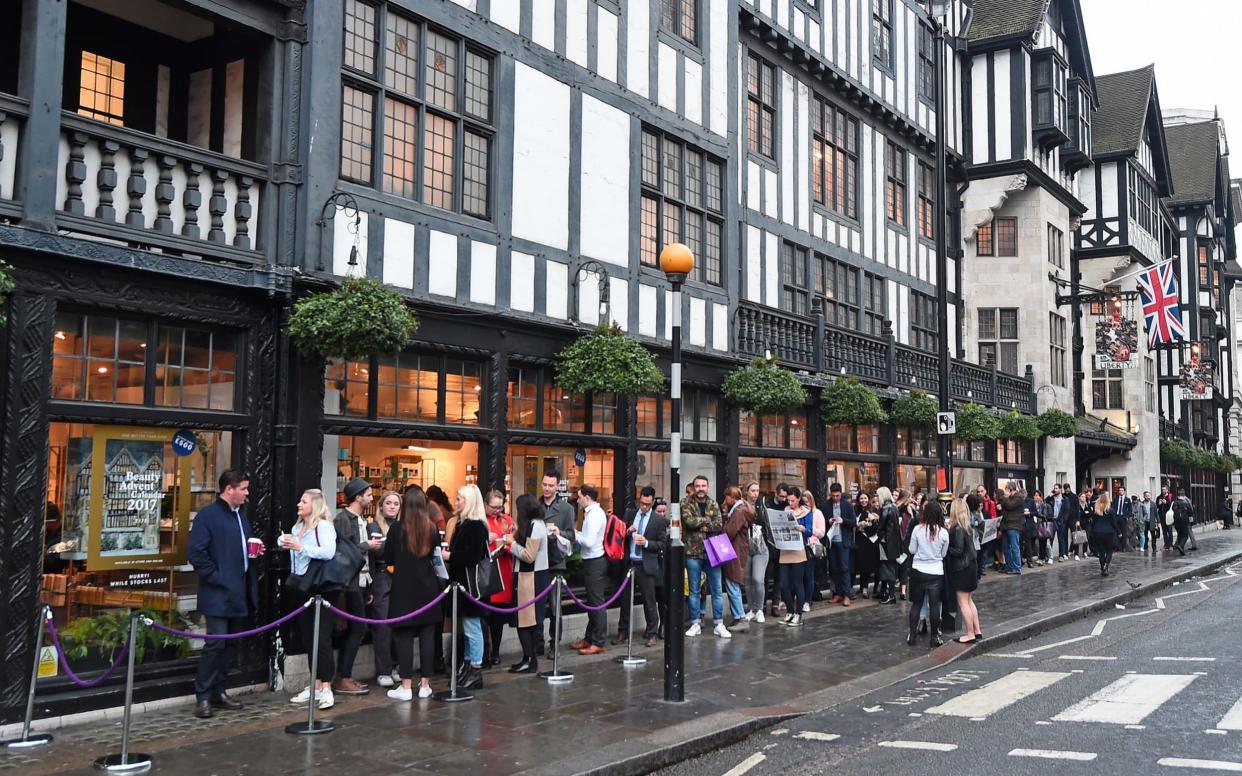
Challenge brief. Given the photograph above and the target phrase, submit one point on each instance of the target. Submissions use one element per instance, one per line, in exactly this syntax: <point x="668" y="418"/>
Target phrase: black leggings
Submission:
<point x="1104" y="550"/>
<point x="792" y="589"/>
<point x="325" y="668"/>
<point x="931" y="585"/>
<point x="403" y="639"/>
<point x="529" y="639"/>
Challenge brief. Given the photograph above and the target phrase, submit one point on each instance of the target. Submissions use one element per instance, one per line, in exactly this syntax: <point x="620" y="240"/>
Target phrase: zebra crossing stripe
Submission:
<point x="1128" y="700"/>
<point x="1232" y="719"/>
<point x="1054" y="754"/>
<point x="928" y="745"/>
<point x="746" y="765"/>
<point x="996" y="695"/>
<point x="1206" y="765"/>
<point x="811" y="735"/>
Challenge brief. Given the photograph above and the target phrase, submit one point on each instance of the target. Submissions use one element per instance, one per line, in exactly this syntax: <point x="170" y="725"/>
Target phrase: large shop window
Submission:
<point x="528" y="464"/>
<point x="682" y="200"/>
<point x="1013" y="451"/>
<point x="770" y="472"/>
<point x="915" y="477"/>
<point x="854" y="476"/>
<point x="99" y="358"/>
<point x="416" y="110"/>
<point x="917" y="443"/>
<point x="395" y="463"/>
<point x="700" y="417"/>
<point x="535" y="402"/>
<point x="120" y="505"/>
<point x="848" y="439"/>
<point x="653" y="470"/>
<point x="417" y="388"/>
<point x="775" y="431"/>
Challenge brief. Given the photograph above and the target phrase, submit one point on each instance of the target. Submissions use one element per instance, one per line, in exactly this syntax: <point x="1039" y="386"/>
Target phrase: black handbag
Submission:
<point x="488" y="580"/>
<point x="325" y="577"/>
<point x="307" y="583"/>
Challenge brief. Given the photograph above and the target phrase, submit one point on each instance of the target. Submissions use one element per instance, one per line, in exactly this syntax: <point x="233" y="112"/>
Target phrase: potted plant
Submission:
<point x="95" y="641"/>
<point x="918" y="410"/>
<point x="1058" y="423"/>
<point x="359" y="319"/>
<point x="976" y="422"/>
<point x="607" y="361"/>
<point x="1017" y="425"/>
<point x="850" y="403"/>
<point x="763" y="388"/>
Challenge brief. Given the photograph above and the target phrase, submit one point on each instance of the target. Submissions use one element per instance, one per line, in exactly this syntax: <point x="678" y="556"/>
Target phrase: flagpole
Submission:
<point x="1141" y="270"/>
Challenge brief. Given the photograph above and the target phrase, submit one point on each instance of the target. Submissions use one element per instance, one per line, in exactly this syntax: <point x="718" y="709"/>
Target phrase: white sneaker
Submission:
<point x="694" y="630"/>
<point x="424" y="692"/>
<point x="301" y="697"/>
<point x="750" y="617"/>
<point x="796" y="621"/>
<point x="326" y="701"/>
<point x="759" y="617"/>
<point x="806" y="607"/>
<point x="789" y="618"/>
<point x="721" y="631"/>
<point x="384" y="680"/>
<point x="401" y="693"/>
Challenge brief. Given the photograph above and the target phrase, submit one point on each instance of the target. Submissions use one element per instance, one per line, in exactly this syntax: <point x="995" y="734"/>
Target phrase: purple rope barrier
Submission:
<point x="225" y="636"/>
<point x="391" y="620"/>
<point x="584" y="605"/>
<point x="73" y="677"/>
<point x="513" y="610"/>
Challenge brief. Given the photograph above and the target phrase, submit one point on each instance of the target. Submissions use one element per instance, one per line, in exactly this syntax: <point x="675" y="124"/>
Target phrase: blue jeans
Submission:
<point x="472" y="627"/>
<point x="842" y="569"/>
<point x="735" y="599"/>
<point x="1062" y="540"/>
<point x="808" y="581"/>
<point x="1013" y="551"/>
<point x="695" y="568"/>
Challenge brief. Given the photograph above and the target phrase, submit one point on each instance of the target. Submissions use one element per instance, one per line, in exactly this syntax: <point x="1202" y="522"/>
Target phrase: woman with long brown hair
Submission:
<point x="409" y="550"/>
<point x="739" y="517"/>
<point x="528" y="545"/>
<point x="929" y="543"/>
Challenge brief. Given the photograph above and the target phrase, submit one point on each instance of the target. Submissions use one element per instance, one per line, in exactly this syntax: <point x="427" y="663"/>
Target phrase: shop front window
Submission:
<point x="396" y="463"/>
<point x="195" y="368"/>
<point x="408" y="387"/>
<point x="522" y="398"/>
<point x="770" y="472"/>
<point x="463" y="387"/>
<point x="528" y="464"/>
<point x="840" y="437"/>
<point x="914" y="477"/>
<point x="868" y="439"/>
<point x="99" y="358"/>
<point x="347" y="388"/>
<point x="653" y="470"/>
<point x="853" y="476"/>
<point x="412" y="387"/>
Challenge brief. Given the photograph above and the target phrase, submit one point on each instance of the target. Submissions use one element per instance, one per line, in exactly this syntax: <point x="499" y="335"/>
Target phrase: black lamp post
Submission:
<point x="676" y="260"/>
<point x="937" y="9"/>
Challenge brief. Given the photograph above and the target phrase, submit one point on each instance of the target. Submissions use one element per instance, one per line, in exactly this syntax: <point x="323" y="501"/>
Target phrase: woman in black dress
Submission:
<point x="889" y="531"/>
<point x="963" y="571"/>
<point x="410" y="548"/>
<point x="866" y="551"/>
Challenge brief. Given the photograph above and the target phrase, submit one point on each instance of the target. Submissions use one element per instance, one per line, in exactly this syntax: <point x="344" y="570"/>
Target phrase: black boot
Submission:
<point x="473" y="680"/>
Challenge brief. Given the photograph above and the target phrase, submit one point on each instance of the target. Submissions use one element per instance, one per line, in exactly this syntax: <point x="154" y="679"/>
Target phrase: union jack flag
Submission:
<point x="1158" y="290"/>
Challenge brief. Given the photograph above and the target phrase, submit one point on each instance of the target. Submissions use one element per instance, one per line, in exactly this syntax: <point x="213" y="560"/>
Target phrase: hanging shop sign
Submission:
<point x="129" y="505"/>
<point x="1195" y="381"/>
<point x="1116" y="337"/>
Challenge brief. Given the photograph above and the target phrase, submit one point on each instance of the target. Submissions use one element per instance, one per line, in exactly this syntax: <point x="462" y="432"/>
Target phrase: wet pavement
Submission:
<point x="610" y="717"/>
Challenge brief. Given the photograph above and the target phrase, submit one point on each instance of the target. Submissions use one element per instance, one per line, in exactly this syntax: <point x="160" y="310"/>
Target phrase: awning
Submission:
<point x="1098" y="432"/>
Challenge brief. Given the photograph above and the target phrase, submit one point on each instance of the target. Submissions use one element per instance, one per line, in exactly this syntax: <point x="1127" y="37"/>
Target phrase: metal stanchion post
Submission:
<point x="27" y="740"/>
<point x="453" y="695"/>
<point x="312" y="726"/>
<point x="556" y="675"/>
<point x="629" y="661"/>
<point x="125" y="762"/>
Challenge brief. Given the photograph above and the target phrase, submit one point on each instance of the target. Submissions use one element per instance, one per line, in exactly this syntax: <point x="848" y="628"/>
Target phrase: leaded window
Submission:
<point x="834" y="158"/>
<point x="682" y="200"/>
<point x="895" y="183"/>
<point x="760" y="106"/>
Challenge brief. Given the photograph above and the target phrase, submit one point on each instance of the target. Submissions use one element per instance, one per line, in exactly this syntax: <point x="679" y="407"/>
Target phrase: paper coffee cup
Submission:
<point x="254" y="547"/>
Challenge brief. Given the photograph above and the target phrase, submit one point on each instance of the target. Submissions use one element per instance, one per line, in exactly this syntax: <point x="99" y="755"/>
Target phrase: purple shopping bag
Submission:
<point x="719" y="550"/>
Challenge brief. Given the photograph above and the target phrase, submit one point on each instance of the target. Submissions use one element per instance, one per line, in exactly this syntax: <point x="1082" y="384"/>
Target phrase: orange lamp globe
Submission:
<point x="676" y="259"/>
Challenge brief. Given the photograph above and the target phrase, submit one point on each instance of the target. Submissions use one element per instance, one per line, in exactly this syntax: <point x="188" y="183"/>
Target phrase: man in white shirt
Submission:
<point x="594" y="569"/>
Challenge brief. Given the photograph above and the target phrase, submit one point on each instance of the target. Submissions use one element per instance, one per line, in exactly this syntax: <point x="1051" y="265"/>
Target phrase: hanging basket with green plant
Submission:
<point x="848" y="402"/>
<point x="1058" y="423"/>
<point x="7" y="284"/>
<point x="1017" y="425"/>
<point x="359" y="319"/>
<point x="918" y="410"/>
<point x="976" y="422"/>
<point x="1177" y="452"/>
<point x="607" y="361"/>
<point x="763" y="388"/>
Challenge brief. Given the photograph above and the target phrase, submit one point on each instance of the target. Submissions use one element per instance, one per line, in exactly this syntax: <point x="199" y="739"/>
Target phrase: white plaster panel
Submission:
<point x="786" y="112"/>
<point x="698" y="322"/>
<point x="694" y="91"/>
<point x="754" y="185"/>
<point x="606" y="43"/>
<point x="772" y="270"/>
<point x="666" y="73"/>
<point x="782" y="13"/>
<point x="522" y="282"/>
<point x="162" y="83"/>
<point x="903" y="307"/>
<point x="872" y="165"/>
<point x="556" y="290"/>
<point x="619" y="302"/>
<point x="508" y="15"/>
<point x="604" y="214"/>
<point x="979" y="98"/>
<point x="482" y="272"/>
<point x="754" y="264"/>
<point x="576" y="31"/>
<point x="668" y="314"/>
<point x="770" y="205"/>
<point x="647" y="309"/>
<point x="398" y="253"/>
<point x="540" y="158"/>
<point x="234" y="88"/>
<point x="198" y="116"/>
<point x="720" y="327"/>
<point x="1108" y="190"/>
<point x="8" y="162"/>
<point x="442" y="264"/>
<point x="469" y="5"/>
<point x="1000" y="67"/>
<point x="543" y="23"/>
<point x="717" y="42"/>
<point x="638" y="30"/>
<point x="804" y="156"/>
<point x="588" y="298"/>
<point x="342" y="241"/>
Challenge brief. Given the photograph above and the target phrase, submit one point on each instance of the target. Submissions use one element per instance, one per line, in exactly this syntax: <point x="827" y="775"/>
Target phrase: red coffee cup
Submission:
<point x="254" y="547"/>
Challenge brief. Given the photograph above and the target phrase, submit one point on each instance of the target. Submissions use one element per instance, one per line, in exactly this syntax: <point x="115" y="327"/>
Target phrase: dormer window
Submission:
<point x="1049" y="99"/>
<point x="1077" y="152"/>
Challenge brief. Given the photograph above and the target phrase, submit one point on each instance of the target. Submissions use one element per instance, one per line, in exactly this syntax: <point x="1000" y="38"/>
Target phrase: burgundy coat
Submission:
<point x="737" y="528"/>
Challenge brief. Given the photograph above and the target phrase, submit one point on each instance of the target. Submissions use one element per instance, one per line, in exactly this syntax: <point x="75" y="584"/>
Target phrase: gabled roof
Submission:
<point x="994" y="20"/>
<point x="1193" y="152"/>
<point x="1130" y="103"/>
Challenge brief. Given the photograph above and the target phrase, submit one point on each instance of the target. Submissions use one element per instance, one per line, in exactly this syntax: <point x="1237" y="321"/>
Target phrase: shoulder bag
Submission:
<point x="488" y="580"/>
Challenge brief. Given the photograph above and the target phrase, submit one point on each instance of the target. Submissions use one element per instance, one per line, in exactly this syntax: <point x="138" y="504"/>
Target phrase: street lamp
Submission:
<point x="676" y="260"/>
<point x="937" y="9"/>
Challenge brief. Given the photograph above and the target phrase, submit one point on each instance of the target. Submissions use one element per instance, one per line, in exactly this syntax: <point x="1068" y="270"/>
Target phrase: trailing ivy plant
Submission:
<point x="1017" y="425"/>
<point x="763" y="388"/>
<point x="607" y="361"/>
<point x="918" y="410"/>
<point x="850" y="403"/>
<point x="7" y="284"/>
<point x="1228" y="463"/>
<point x="1058" y="423"/>
<point x="358" y="319"/>
<point x="1177" y="452"/>
<point x="976" y="422"/>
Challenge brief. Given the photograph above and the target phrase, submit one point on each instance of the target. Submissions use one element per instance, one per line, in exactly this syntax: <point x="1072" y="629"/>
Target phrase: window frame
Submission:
<point x="924" y="322"/>
<point x="1058" y="350"/>
<point x="1110" y="380"/>
<point x="838" y="193"/>
<point x="674" y="12"/>
<point x="1056" y="247"/>
<point x="464" y="123"/>
<point x="835" y="276"/>
<point x="1149" y="383"/>
<point x="590" y="404"/>
<point x="882" y="48"/>
<point x="110" y="79"/>
<point x="999" y="238"/>
<point x="708" y="269"/>
<point x="762" y="104"/>
<point x="927" y="64"/>
<point x="927" y="201"/>
<point x="1005" y="350"/>
<point x="896" y="184"/>
<point x="874" y="304"/>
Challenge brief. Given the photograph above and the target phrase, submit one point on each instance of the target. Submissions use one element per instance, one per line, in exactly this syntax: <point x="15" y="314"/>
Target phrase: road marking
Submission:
<point x="931" y="746"/>
<point x="1232" y="719"/>
<point x="1136" y="727"/>
<point x="780" y="731"/>
<point x="811" y="735"/>
<point x="1030" y="652"/>
<point x="1128" y="700"/>
<point x="1185" y="659"/>
<point x="996" y="695"/>
<point x="915" y="714"/>
<point x="1042" y="722"/>
<point x="1207" y="765"/>
<point x="1217" y="732"/>
<point x="1011" y="654"/>
<point x="746" y="765"/>
<point x="1085" y="657"/>
<point x="1054" y="754"/>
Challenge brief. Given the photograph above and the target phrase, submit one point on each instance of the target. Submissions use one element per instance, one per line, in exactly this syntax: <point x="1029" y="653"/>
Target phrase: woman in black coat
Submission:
<point x="466" y="550"/>
<point x="410" y="552"/>
<point x="866" y="552"/>
<point x="889" y="544"/>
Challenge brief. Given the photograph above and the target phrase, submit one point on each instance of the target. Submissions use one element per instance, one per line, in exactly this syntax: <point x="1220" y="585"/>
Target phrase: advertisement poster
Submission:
<point x="76" y="516"/>
<point x="139" y="515"/>
<point x="785" y="531"/>
<point x="1116" y="343"/>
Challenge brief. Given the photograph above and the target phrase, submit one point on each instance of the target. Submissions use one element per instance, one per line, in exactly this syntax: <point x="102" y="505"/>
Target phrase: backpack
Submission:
<point x="614" y="538"/>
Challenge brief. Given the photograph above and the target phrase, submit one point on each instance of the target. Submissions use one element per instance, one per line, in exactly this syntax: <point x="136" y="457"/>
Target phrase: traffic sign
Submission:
<point x="946" y="423"/>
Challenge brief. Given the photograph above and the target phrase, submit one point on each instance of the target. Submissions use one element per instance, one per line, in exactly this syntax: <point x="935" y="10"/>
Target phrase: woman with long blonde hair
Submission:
<point x="1106" y="527"/>
<point x="963" y="570"/>
<point x="467" y="549"/>
<point x="313" y="537"/>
